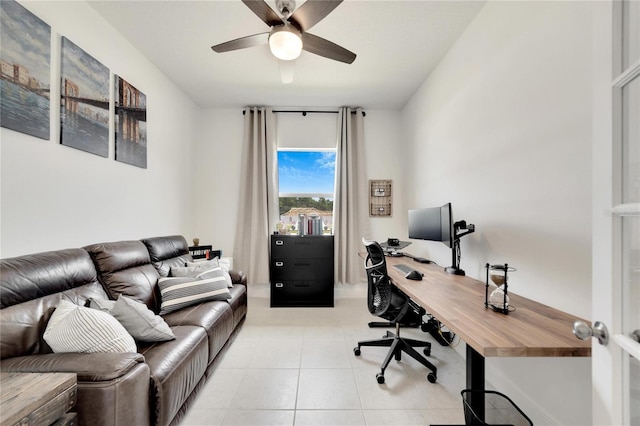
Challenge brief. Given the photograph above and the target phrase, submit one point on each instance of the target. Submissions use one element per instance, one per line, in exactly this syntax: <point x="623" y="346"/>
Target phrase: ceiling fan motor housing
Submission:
<point x="286" y="7"/>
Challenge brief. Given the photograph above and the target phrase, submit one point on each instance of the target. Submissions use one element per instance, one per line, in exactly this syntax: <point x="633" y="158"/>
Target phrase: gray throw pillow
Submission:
<point x="104" y="305"/>
<point x="139" y="321"/>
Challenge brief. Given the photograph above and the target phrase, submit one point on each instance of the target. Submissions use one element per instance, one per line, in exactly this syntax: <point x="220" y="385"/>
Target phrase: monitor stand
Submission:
<point x="453" y="270"/>
<point x="455" y="259"/>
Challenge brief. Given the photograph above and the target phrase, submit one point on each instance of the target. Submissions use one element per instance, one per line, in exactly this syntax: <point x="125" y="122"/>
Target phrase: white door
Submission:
<point x="616" y="212"/>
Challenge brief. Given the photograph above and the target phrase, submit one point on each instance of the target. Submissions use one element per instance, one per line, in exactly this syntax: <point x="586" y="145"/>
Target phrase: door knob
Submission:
<point x="583" y="331"/>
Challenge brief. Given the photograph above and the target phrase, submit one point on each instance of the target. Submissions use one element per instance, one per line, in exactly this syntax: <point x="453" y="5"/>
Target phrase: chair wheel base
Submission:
<point x="431" y="378"/>
<point x="356" y="351"/>
<point x="380" y="378"/>
<point x="427" y="352"/>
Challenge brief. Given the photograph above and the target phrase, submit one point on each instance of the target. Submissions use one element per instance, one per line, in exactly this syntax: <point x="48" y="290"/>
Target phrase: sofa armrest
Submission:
<point x="95" y="367"/>
<point x="238" y="277"/>
<point x="113" y="389"/>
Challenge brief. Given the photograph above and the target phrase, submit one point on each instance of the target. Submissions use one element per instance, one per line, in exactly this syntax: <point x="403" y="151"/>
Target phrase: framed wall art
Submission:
<point x="130" y="124"/>
<point x="84" y="93"/>
<point x="25" y="63"/>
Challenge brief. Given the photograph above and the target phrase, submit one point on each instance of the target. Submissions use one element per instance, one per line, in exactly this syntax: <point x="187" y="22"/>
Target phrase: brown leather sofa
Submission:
<point x="154" y="386"/>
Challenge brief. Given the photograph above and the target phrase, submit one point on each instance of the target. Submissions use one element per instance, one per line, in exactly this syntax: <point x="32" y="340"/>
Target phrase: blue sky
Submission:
<point x="306" y="171"/>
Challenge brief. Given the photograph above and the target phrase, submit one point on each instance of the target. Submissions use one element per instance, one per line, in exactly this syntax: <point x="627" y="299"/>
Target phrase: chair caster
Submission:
<point x="380" y="378"/>
<point x="431" y="378"/>
<point x="427" y="351"/>
<point x="356" y="351"/>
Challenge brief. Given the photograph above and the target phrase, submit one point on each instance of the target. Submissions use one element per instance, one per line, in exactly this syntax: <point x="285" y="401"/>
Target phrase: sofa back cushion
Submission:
<point x="124" y="267"/>
<point x="32" y="286"/>
<point x="168" y="252"/>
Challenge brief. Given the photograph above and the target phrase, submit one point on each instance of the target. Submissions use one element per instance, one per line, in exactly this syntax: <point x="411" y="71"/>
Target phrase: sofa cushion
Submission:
<point x="180" y="292"/>
<point x="216" y="318"/>
<point x="176" y="368"/>
<point x="74" y="328"/>
<point x="124" y="267"/>
<point x="167" y="252"/>
<point x="38" y="275"/>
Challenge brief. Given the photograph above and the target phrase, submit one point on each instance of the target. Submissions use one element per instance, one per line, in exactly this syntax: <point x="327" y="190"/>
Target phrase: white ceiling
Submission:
<point x="398" y="44"/>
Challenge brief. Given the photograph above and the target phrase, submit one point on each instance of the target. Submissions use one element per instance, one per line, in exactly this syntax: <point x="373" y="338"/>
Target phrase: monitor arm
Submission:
<point x="462" y="225"/>
<point x="455" y="250"/>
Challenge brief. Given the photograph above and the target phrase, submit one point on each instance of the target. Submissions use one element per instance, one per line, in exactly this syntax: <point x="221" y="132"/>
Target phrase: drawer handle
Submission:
<point x="279" y="285"/>
<point x="279" y="242"/>
<point x="279" y="263"/>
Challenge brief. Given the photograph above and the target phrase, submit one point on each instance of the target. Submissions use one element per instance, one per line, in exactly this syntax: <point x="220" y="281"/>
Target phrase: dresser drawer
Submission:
<point x="296" y="269"/>
<point x="301" y="293"/>
<point x="301" y="247"/>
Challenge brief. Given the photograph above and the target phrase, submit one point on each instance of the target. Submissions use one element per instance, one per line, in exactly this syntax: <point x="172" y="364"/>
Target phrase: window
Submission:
<point x="306" y="182"/>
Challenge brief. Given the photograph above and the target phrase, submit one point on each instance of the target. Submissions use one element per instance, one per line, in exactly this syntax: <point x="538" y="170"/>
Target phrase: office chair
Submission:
<point x="386" y="301"/>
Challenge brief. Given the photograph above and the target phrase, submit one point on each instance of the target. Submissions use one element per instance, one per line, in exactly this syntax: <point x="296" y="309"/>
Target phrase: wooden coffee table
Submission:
<point x="37" y="399"/>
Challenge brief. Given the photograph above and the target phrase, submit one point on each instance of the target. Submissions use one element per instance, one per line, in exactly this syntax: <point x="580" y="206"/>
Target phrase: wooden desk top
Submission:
<point x="533" y="330"/>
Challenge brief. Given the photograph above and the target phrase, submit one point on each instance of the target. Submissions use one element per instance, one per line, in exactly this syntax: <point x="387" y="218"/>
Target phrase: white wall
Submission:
<point x="502" y="130"/>
<point x="384" y="158"/>
<point x="217" y="168"/>
<point x="55" y="197"/>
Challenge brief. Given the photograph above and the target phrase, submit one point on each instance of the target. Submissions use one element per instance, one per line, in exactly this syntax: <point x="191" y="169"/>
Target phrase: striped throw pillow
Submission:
<point x="74" y="328"/>
<point x="180" y="292"/>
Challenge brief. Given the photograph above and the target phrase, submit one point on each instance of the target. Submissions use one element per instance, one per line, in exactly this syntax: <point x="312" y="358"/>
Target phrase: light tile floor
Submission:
<point x="296" y="366"/>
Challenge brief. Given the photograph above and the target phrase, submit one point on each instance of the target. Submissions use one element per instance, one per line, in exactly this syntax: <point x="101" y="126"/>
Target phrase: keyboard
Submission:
<point x="404" y="268"/>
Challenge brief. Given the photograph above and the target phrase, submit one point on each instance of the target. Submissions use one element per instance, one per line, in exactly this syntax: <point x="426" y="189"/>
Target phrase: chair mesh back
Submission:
<point x="384" y="300"/>
<point x="380" y="293"/>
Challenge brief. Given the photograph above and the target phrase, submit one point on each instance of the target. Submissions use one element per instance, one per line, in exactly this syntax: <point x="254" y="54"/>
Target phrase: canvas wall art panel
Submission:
<point x="25" y="63"/>
<point x="131" y="124"/>
<point x="84" y="93"/>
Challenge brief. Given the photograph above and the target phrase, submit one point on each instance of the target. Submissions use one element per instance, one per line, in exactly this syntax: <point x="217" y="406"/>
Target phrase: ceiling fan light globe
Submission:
<point x="285" y="43"/>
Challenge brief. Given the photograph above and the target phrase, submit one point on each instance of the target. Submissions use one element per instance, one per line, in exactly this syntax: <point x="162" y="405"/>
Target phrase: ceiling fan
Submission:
<point x="288" y="35"/>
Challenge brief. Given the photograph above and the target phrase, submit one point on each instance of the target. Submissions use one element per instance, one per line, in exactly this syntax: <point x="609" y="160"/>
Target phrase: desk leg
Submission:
<point x="475" y="381"/>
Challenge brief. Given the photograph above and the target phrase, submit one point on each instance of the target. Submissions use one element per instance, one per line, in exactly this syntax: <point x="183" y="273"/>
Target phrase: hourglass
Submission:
<point x="499" y="298"/>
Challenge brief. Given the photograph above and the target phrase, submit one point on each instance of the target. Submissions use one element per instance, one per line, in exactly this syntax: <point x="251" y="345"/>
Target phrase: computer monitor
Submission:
<point x="432" y="224"/>
<point x="436" y="224"/>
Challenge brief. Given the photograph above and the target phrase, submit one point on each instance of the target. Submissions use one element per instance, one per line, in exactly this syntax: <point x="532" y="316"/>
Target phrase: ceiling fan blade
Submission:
<point x="264" y="12"/>
<point x="242" y="43"/>
<point x="326" y="48"/>
<point x="286" y="70"/>
<point x="311" y="12"/>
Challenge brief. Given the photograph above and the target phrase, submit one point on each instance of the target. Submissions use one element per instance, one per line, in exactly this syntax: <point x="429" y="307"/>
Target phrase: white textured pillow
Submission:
<point x="140" y="321"/>
<point x="197" y="270"/>
<point x="74" y="328"/>
<point x="180" y="292"/>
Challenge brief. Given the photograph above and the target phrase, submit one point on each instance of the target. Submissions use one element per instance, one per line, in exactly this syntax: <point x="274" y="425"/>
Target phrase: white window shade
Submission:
<point x="314" y="131"/>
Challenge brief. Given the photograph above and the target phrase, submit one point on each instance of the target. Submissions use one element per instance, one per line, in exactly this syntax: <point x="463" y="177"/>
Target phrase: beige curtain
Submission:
<point x="351" y="218"/>
<point x="258" y="209"/>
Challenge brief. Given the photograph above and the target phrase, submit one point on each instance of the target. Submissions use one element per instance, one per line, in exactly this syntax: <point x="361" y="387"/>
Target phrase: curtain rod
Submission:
<point x="304" y="113"/>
